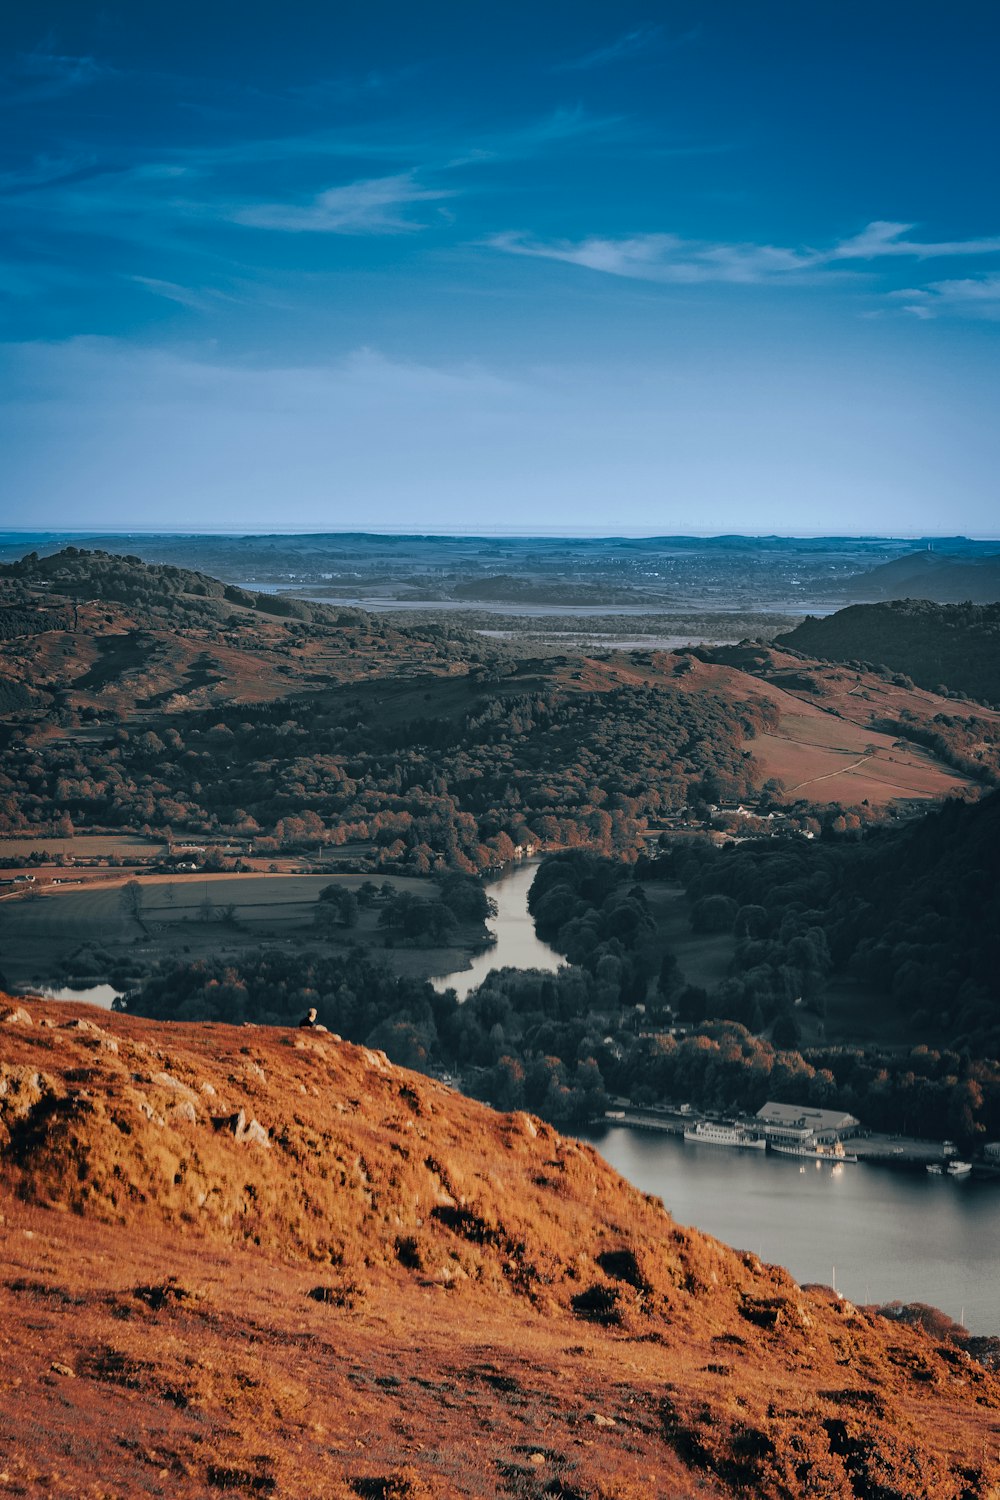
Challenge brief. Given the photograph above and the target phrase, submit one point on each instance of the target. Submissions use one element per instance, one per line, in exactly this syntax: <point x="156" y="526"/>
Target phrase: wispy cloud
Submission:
<point x="882" y="237"/>
<point x="666" y="258"/>
<point x="373" y="206"/>
<point x="348" y="88"/>
<point x="670" y="259"/>
<point x="969" y="296"/>
<point x="196" y="299"/>
<point x="630" y="44"/>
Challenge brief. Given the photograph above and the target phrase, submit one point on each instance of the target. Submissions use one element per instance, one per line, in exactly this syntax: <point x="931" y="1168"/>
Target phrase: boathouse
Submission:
<point x="794" y="1124"/>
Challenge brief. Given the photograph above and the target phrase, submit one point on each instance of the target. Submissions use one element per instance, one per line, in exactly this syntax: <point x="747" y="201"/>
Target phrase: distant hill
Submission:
<point x="257" y="1261"/>
<point x="928" y="575"/>
<point x="78" y="573"/>
<point x="955" y="646"/>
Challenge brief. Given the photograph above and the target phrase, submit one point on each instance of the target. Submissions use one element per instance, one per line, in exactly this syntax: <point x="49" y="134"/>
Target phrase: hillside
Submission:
<point x="89" y="636"/>
<point x="928" y="575"/>
<point x="133" y="701"/>
<point x="257" y="1261"/>
<point x="944" y="647"/>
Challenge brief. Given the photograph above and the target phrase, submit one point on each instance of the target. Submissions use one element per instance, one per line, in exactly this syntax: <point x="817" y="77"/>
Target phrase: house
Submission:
<point x="793" y="1124"/>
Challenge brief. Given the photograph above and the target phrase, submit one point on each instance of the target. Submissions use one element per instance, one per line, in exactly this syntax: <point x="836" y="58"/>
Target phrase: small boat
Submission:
<point x="959" y="1168"/>
<point x="934" y="1169"/>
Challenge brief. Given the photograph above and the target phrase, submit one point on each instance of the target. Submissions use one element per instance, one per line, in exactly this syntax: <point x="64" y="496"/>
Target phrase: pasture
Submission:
<point x="85" y="933"/>
<point x="124" y="846"/>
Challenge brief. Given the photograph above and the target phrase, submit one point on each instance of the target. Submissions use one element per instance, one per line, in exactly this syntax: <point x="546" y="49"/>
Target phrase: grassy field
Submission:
<point x="703" y="958"/>
<point x="125" y="846"/>
<point x="827" y="759"/>
<point x="191" y="917"/>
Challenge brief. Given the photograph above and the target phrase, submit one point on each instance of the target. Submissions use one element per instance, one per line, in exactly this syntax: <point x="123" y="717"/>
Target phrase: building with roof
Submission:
<point x="795" y="1124"/>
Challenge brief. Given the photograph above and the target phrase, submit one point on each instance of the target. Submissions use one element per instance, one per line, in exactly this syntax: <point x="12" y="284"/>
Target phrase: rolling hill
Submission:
<point x="928" y="575"/>
<point x="949" y="647"/>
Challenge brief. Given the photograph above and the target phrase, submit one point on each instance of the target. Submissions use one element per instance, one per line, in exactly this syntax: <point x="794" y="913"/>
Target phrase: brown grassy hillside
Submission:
<point x="249" y="1261"/>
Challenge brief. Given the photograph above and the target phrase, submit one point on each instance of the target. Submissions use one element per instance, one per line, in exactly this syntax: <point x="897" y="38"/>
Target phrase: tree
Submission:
<point x="130" y="899"/>
<point x="336" y="906"/>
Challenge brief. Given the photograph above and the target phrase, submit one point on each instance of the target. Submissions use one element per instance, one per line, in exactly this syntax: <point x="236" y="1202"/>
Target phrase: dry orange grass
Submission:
<point x="248" y="1261"/>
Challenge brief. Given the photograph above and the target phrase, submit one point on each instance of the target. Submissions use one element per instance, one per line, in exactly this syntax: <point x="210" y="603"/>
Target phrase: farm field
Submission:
<point x="125" y="846"/>
<point x="83" y="933"/>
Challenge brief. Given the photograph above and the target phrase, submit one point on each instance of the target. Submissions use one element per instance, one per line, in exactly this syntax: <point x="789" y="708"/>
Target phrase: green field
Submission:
<point x="84" y="934"/>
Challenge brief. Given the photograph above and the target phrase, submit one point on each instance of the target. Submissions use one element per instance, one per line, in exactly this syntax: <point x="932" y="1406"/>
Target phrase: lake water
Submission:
<point x="889" y="1234"/>
<point x="311" y="594"/>
<point x="517" y="946"/>
<point x="92" y="994"/>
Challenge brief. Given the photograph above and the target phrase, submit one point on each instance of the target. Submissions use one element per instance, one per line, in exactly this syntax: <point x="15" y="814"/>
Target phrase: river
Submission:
<point x="517" y="946"/>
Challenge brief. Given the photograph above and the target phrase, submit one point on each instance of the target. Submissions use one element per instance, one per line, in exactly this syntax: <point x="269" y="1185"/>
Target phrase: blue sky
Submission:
<point x="559" y="267"/>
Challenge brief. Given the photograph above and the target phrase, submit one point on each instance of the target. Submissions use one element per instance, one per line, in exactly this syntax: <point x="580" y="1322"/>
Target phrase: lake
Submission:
<point x="517" y="946"/>
<point x="890" y="1234"/>
<point x="92" y="994"/>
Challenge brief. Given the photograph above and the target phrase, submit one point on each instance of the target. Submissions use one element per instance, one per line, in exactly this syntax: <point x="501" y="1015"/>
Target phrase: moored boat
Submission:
<point x="713" y="1133"/>
<point x="959" y="1168"/>
<point x="815" y="1152"/>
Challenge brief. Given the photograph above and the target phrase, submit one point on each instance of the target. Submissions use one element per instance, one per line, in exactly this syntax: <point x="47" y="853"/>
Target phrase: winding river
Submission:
<point x="517" y="945"/>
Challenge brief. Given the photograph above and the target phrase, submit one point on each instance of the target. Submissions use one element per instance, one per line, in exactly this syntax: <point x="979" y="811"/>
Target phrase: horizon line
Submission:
<point x="497" y="533"/>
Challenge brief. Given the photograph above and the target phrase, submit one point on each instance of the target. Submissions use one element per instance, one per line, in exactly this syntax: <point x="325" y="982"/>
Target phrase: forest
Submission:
<point x="947" y="648"/>
<point x="523" y="764"/>
<point x="913" y="911"/>
<point x="560" y="1045"/>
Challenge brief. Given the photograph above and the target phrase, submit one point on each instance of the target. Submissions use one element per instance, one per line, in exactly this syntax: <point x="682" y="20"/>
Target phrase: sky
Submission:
<point x="559" y="267"/>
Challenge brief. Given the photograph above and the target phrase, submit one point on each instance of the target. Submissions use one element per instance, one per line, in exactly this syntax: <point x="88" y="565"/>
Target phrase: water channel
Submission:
<point x="880" y="1234"/>
<point x="517" y="945"/>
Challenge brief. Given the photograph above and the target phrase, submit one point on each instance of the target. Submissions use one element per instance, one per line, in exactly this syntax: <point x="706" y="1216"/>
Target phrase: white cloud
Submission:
<point x="969" y="296"/>
<point x="197" y="300"/>
<point x="670" y="259"/>
<point x="885" y="238"/>
<point x="373" y="206"/>
<point x="666" y="258"/>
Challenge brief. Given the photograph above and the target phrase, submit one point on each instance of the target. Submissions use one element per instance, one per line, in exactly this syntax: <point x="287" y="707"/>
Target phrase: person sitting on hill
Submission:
<point x="309" y="1021"/>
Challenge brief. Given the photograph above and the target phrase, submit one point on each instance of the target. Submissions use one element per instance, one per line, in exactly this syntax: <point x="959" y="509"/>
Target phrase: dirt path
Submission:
<point x="840" y="771"/>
